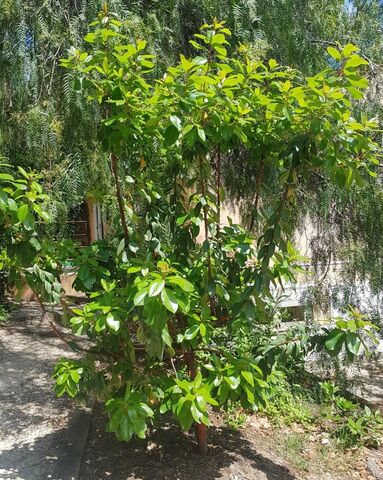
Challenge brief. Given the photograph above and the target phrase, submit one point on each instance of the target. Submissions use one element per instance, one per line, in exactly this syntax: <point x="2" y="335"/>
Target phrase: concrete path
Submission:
<point x="41" y="436"/>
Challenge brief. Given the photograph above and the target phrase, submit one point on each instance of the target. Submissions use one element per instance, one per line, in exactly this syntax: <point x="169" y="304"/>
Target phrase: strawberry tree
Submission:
<point x="180" y="284"/>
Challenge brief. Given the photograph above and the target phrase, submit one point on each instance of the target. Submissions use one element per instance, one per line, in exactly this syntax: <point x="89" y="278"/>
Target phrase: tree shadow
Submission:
<point x="55" y="456"/>
<point x="33" y="441"/>
<point x="30" y="453"/>
<point x="170" y="454"/>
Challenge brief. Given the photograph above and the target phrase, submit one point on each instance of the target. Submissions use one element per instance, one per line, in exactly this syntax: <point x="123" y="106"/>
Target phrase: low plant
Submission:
<point x="160" y="301"/>
<point x="328" y="391"/>
<point x="235" y="418"/>
<point x="285" y="407"/>
<point x="363" y="427"/>
<point x="347" y="421"/>
<point x="3" y="314"/>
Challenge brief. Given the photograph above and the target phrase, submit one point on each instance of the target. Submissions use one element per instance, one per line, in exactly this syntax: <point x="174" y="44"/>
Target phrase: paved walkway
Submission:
<point x="40" y="436"/>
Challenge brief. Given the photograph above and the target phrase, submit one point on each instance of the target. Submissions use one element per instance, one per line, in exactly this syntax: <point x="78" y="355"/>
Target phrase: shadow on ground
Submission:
<point x="170" y="454"/>
<point x="54" y="456"/>
<point x="38" y="432"/>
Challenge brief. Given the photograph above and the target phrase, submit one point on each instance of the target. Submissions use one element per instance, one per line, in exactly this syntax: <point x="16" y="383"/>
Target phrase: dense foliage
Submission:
<point x="45" y="125"/>
<point x="180" y="305"/>
<point x="162" y="303"/>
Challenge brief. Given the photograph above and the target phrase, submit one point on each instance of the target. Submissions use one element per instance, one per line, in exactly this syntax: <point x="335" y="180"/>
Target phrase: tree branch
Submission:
<point x="120" y="201"/>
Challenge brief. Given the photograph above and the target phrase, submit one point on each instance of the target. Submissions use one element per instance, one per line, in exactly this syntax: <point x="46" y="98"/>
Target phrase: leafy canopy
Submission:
<point x="163" y="303"/>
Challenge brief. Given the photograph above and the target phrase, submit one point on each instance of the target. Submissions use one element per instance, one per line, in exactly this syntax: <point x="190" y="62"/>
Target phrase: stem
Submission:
<point x="257" y="193"/>
<point x="120" y="201"/>
<point x="218" y="190"/>
<point x="203" y="192"/>
<point x="56" y="331"/>
<point x="201" y="430"/>
<point x="205" y="214"/>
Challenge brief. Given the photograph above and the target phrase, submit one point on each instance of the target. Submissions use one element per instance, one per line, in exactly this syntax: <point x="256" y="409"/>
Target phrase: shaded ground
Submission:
<point x="36" y="428"/>
<point x="257" y="452"/>
<point x="169" y="454"/>
<point x="42" y="436"/>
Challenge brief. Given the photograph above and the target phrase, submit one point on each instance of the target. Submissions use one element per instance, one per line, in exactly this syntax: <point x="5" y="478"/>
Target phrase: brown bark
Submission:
<point x="218" y="190"/>
<point x="201" y="429"/>
<point x="120" y="201"/>
<point x="257" y="194"/>
<point x="205" y="213"/>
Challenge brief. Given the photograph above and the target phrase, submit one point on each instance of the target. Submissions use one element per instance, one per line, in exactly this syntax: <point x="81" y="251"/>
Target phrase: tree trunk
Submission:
<point x="201" y="435"/>
<point x="201" y="429"/>
<point x="120" y="201"/>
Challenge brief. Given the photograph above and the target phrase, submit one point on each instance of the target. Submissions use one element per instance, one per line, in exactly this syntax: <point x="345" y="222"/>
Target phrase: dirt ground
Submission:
<point x="35" y="426"/>
<point x="170" y="454"/>
<point x="256" y="452"/>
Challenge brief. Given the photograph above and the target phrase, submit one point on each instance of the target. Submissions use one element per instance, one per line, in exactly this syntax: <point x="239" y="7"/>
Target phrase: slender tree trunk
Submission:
<point x="205" y="212"/>
<point x="257" y="194"/>
<point x="120" y="200"/>
<point x="218" y="190"/>
<point x="201" y="429"/>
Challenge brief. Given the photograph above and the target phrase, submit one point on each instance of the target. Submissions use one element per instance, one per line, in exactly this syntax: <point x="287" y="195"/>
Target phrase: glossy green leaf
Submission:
<point x="169" y="300"/>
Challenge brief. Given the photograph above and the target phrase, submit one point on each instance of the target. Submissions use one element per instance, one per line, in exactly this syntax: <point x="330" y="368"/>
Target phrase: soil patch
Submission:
<point x="170" y="454"/>
<point x="258" y="451"/>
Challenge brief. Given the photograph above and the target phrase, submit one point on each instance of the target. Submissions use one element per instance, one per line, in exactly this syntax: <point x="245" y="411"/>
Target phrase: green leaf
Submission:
<point x="272" y="63"/>
<point x="219" y="39"/>
<point x="248" y="376"/>
<point x="315" y="126"/>
<point x="249" y="310"/>
<point x="41" y="213"/>
<point x="192" y="332"/>
<point x="29" y="222"/>
<point x="355" y="93"/>
<point x="121" y="247"/>
<point x="185" y="417"/>
<point x="22" y="212"/>
<point x="141" y="44"/>
<point x="349" y="49"/>
<point x="176" y="122"/>
<point x="233" y="382"/>
<point x="196" y="414"/>
<point x="169" y="300"/>
<point x="112" y="322"/>
<point x="35" y="243"/>
<point x="171" y="135"/>
<point x="140" y="296"/>
<point x="202" y="329"/>
<point x="6" y="176"/>
<point x="181" y="282"/>
<point x="201" y="134"/>
<point x="355" y="61"/>
<point x="334" y="53"/>
<point x="250" y="395"/>
<point x="156" y="287"/>
<point x="166" y="337"/>
<point x="340" y="177"/>
<point x="353" y="342"/>
<point x="335" y="338"/>
<point x="220" y="50"/>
